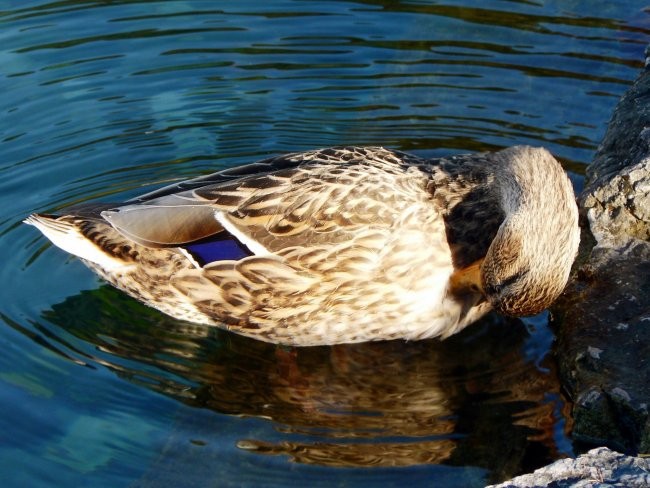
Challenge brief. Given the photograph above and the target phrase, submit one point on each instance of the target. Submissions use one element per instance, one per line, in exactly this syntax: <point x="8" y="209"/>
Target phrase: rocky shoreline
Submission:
<point x="598" y="468"/>
<point x="603" y="318"/>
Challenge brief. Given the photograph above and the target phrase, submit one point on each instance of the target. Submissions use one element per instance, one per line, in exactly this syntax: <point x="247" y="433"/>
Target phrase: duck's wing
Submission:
<point x="295" y="200"/>
<point x="169" y="221"/>
<point x="172" y="215"/>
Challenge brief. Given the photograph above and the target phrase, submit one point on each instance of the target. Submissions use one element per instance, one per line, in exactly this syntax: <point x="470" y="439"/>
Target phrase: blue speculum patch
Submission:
<point x="219" y="247"/>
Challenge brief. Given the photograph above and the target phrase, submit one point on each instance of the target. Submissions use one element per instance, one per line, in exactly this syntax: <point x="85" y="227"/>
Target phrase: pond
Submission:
<point x="107" y="99"/>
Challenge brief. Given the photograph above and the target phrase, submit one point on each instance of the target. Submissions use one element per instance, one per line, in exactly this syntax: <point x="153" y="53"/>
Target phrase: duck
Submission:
<point x="339" y="245"/>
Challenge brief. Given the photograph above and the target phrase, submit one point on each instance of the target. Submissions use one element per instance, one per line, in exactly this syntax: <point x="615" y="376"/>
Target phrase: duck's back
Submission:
<point x="336" y="245"/>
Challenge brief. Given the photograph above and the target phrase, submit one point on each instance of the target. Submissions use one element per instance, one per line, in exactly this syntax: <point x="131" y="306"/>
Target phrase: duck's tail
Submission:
<point x="76" y="236"/>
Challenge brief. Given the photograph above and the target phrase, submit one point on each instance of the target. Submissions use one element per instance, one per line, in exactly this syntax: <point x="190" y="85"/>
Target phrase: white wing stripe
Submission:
<point x="254" y="246"/>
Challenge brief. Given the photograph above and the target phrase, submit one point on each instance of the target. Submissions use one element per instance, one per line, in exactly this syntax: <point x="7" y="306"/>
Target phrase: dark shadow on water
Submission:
<point x="472" y="400"/>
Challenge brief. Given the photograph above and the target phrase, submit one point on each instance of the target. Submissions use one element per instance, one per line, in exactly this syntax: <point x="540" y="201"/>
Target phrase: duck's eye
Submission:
<point x="509" y="281"/>
<point x="497" y="288"/>
<point x="493" y="289"/>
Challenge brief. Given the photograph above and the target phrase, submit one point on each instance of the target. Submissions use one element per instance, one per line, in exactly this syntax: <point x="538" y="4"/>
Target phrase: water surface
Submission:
<point x="108" y="99"/>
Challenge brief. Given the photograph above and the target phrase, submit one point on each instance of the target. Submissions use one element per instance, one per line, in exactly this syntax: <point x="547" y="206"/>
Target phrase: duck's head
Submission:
<point x="529" y="261"/>
<point x="518" y="281"/>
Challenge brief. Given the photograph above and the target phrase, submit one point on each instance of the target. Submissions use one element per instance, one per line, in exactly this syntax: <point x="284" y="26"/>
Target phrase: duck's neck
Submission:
<point x="538" y="204"/>
<point x="528" y="181"/>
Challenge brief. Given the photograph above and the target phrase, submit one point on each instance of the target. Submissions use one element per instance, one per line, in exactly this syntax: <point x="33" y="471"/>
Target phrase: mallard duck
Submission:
<point x="340" y="245"/>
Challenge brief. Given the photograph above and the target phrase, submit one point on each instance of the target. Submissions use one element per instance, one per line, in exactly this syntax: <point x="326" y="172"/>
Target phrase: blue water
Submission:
<point x="109" y="99"/>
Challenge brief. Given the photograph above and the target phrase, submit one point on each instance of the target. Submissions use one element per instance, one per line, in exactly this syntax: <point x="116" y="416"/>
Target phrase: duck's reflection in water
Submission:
<point x="475" y="399"/>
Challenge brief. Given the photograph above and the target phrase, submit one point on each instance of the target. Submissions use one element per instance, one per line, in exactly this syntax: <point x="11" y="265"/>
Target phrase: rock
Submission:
<point x="619" y="209"/>
<point x="616" y="198"/>
<point x="598" y="468"/>
<point x="603" y="318"/>
<point x="603" y="350"/>
<point x="621" y="146"/>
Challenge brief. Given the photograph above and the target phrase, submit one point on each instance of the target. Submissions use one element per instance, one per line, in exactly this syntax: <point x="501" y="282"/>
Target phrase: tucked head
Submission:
<point x="519" y="279"/>
<point x="528" y="263"/>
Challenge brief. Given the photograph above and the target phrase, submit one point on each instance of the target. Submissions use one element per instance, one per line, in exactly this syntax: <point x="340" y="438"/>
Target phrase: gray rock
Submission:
<point x="616" y="198"/>
<point x="599" y="468"/>
<point x="627" y="139"/>
<point x="619" y="209"/>
<point x="603" y="349"/>
<point x="603" y="318"/>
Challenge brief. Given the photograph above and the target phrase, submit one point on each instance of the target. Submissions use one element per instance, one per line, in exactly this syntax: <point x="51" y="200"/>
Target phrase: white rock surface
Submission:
<point x="599" y="468"/>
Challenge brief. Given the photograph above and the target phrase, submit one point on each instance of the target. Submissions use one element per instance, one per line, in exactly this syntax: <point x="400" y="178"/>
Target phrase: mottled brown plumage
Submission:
<point x="347" y="244"/>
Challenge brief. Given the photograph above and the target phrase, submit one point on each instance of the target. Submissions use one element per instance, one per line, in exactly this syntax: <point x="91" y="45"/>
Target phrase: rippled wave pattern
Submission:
<point x="106" y="99"/>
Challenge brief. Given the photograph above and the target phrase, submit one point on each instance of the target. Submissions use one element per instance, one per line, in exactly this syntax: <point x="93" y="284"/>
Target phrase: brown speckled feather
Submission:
<point x="347" y="244"/>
